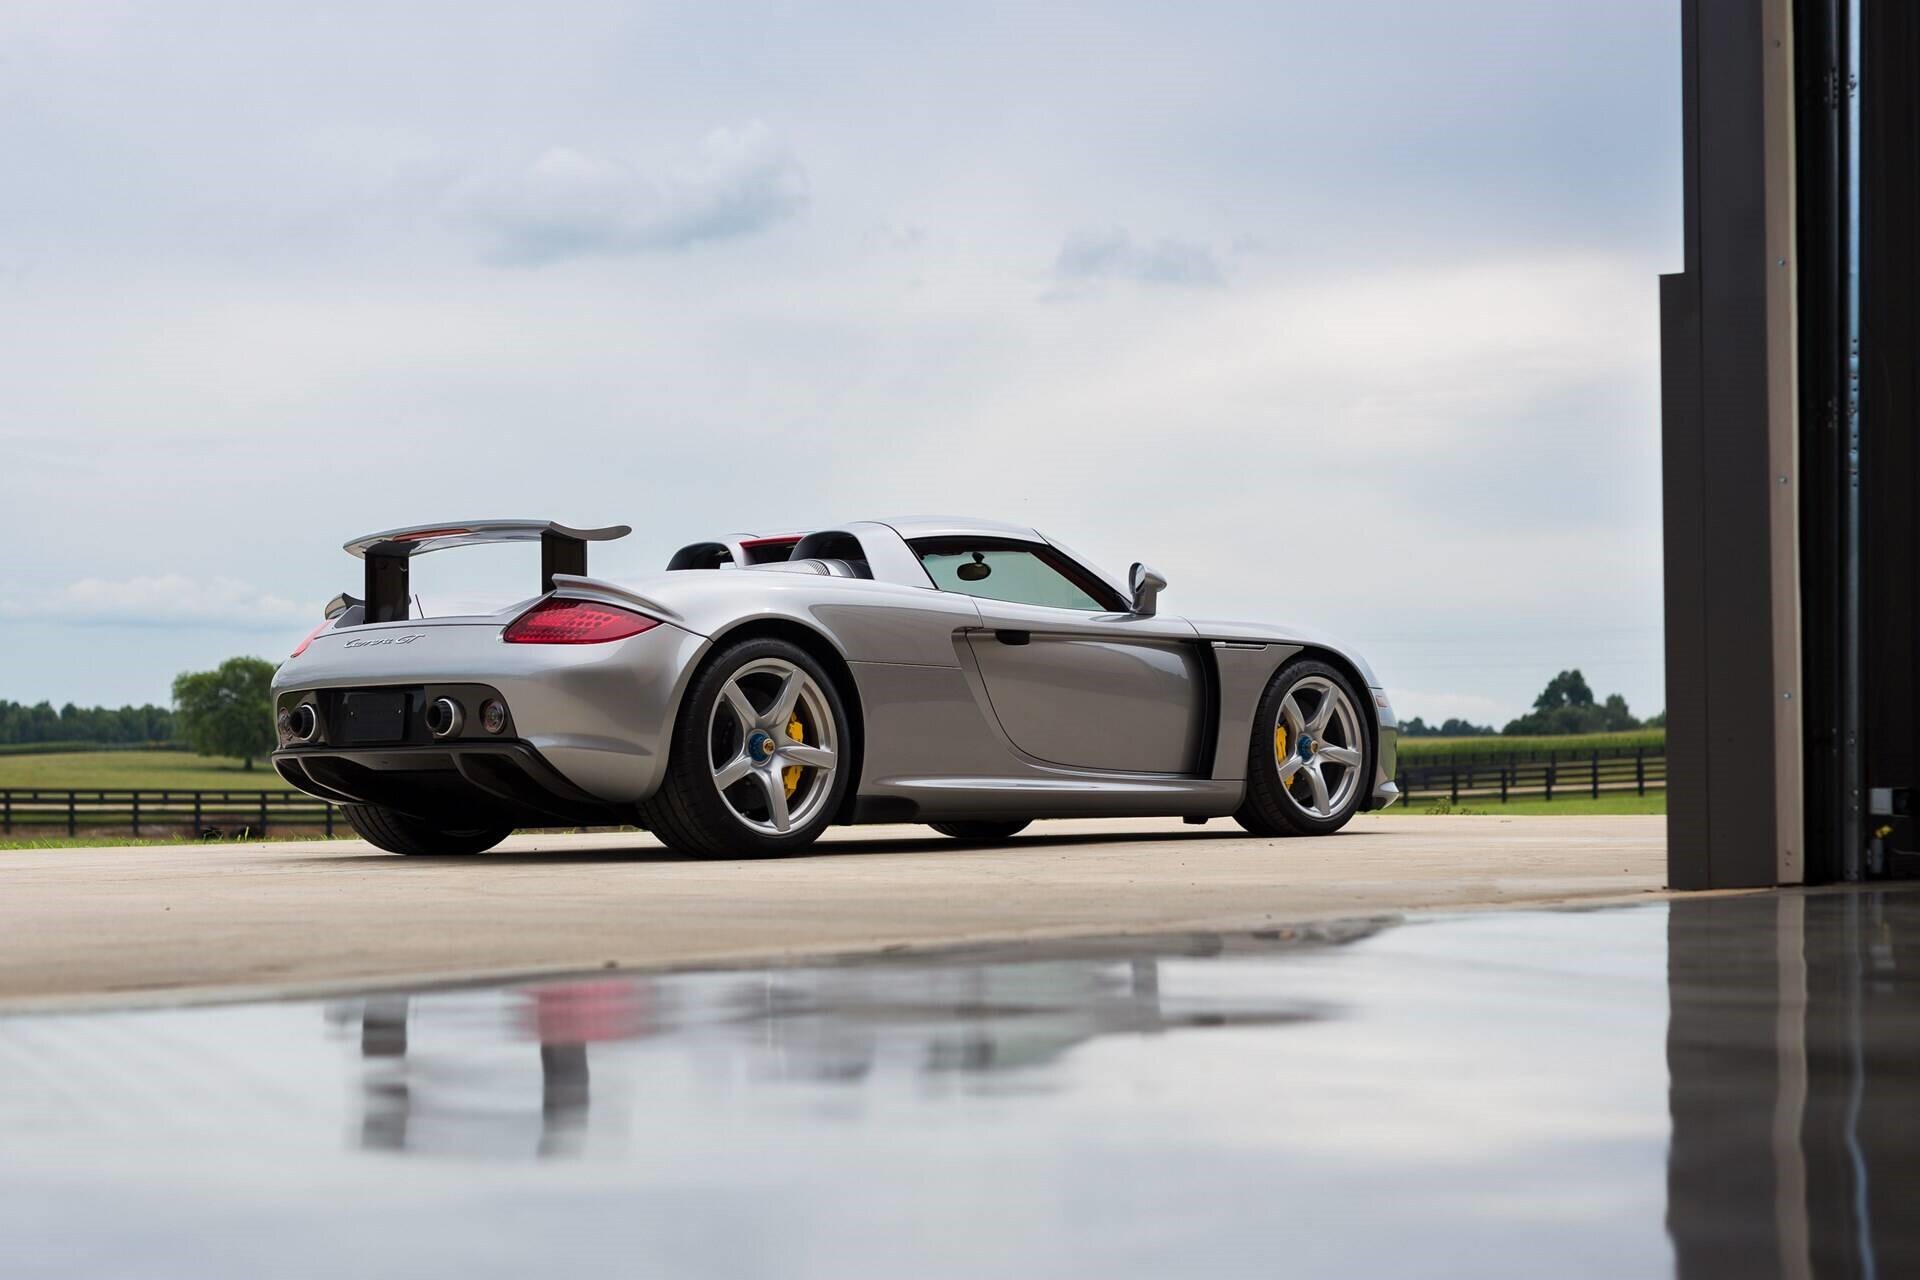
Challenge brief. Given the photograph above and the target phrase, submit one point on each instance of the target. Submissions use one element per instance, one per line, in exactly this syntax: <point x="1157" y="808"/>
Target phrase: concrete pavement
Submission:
<point x="164" y="923"/>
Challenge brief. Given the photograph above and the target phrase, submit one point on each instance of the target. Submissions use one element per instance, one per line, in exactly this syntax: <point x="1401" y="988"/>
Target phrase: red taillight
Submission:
<point x="302" y="646"/>
<point x="575" y="622"/>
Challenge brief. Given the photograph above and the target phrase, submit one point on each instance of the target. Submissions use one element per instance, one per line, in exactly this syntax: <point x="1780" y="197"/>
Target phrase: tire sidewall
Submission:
<point x="1265" y="793"/>
<point x="691" y="747"/>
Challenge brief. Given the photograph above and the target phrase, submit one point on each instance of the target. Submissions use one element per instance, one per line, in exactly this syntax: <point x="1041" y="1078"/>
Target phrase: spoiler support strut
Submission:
<point x="560" y="554"/>
<point x="387" y="590"/>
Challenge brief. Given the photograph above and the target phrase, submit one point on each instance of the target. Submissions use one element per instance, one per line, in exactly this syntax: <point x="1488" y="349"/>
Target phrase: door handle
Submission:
<point x="1013" y="637"/>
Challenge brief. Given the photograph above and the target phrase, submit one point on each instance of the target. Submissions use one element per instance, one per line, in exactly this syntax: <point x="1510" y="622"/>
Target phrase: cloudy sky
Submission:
<point x="1343" y="314"/>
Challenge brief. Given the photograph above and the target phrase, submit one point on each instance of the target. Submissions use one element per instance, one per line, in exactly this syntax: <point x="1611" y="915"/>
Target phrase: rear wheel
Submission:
<point x="398" y="832"/>
<point x="1311" y="748"/>
<point x="980" y="831"/>
<point x="754" y="770"/>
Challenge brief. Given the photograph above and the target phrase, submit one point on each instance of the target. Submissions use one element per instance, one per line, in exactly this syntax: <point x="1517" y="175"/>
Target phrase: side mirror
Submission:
<point x="1146" y="586"/>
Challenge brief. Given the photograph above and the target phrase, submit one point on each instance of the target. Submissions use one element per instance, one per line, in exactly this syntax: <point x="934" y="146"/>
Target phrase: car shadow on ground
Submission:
<point x="834" y="846"/>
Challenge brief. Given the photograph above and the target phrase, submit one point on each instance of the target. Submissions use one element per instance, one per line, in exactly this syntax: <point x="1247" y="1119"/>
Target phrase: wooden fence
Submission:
<point x="1464" y="779"/>
<point x="1547" y="775"/>
<point x="44" y="811"/>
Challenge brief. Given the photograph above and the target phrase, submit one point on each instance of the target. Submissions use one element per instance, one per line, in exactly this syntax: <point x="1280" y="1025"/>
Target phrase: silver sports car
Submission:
<point x="969" y="675"/>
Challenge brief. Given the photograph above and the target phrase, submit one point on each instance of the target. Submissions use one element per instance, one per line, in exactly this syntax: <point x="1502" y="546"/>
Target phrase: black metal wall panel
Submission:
<point x="1683" y="468"/>
<point x="1859" y="649"/>
<point x="1890" y="397"/>
<point x="1824" y="468"/>
<point x="1721" y="826"/>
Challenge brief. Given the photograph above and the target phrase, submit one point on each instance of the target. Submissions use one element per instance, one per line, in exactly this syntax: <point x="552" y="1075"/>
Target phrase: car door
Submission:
<point x="1070" y="676"/>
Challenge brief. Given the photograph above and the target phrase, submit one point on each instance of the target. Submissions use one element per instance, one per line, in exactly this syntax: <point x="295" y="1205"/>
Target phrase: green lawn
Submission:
<point x="137" y="770"/>
<point x="1577" y="806"/>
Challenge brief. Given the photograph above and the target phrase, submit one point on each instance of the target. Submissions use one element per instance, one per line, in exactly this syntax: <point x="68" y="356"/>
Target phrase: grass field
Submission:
<point x="136" y="770"/>
<point x="1415" y="750"/>
<point x="1655" y="803"/>
<point x="17" y="843"/>
<point x="1577" y="807"/>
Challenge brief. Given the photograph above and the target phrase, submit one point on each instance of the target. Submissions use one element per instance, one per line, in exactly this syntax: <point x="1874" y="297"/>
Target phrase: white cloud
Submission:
<point x="570" y="203"/>
<point x="1113" y="254"/>
<point x="168" y="600"/>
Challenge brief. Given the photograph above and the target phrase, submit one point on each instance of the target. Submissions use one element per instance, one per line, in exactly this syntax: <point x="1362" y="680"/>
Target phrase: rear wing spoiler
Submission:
<point x="563" y="550"/>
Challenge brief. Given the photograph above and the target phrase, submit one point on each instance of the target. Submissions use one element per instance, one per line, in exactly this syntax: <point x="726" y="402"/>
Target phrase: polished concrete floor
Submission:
<point x="1708" y="1087"/>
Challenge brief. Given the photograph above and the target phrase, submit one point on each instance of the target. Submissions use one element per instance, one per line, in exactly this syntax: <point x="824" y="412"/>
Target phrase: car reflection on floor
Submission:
<point x="443" y="1092"/>
<point x="412" y="1100"/>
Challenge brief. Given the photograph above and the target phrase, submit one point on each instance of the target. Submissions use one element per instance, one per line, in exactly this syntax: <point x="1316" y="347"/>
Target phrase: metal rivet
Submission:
<point x="1779" y="262"/>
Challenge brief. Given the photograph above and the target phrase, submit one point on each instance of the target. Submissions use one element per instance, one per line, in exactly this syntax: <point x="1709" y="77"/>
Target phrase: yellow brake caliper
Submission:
<point x="791" y="774"/>
<point x="1280" y="744"/>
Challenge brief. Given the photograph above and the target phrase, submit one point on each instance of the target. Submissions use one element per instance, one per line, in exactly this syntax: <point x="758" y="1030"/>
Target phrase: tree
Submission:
<point x="227" y="711"/>
<point x="1566" y="705"/>
<point x="23" y="724"/>
<point x="1568" y="689"/>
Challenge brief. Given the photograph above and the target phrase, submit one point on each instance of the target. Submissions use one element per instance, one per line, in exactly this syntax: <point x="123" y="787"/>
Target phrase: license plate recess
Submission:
<point x="373" y="716"/>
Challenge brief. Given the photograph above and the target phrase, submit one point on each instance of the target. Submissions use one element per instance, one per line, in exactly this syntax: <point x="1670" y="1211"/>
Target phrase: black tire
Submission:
<point x="983" y="832"/>
<point x="402" y="833"/>
<point x="689" y="815"/>
<point x="1270" y="807"/>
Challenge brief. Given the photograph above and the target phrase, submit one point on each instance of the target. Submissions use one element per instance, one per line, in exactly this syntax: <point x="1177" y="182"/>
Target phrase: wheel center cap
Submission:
<point x="760" y="746"/>
<point x="1306" y="746"/>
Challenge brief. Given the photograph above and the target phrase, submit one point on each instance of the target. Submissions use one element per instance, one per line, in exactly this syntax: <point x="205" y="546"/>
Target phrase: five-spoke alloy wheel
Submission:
<point x="757" y="762"/>
<point x="772" y="745"/>
<point x="1307" y="764"/>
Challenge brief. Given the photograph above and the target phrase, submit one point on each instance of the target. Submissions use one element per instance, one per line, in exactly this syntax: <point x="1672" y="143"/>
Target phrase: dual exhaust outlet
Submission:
<point x="444" y="718"/>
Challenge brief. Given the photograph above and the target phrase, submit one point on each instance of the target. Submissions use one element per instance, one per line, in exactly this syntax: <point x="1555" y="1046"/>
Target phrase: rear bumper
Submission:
<point x="507" y="781"/>
<point x="599" y="715"/>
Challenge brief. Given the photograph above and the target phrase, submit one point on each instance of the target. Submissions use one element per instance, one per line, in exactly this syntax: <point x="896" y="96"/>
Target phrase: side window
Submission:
<point x="997" y="571"/>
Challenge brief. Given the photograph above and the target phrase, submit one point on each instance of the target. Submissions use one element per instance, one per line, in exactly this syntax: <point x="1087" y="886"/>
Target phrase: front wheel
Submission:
<point x="756" y="764"/>
<point x="1307" y="764"/>
<point x="398" y="832"/>
<point x="981" y="832"/>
